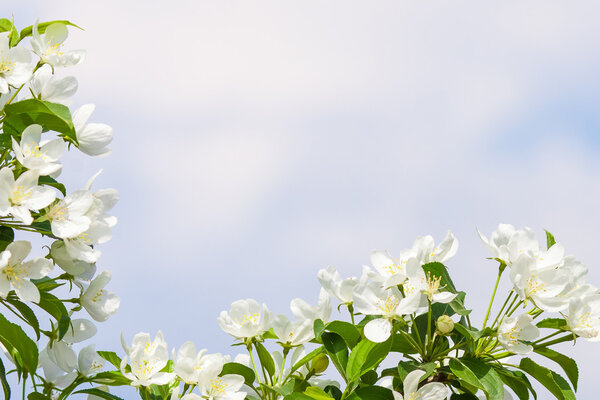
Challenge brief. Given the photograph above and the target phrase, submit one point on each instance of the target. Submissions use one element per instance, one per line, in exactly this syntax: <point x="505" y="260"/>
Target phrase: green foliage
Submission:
<point x="99" y="393"/>
<point x="28" y="31"/>
<point x="480" y="375"/>
<point x="22" y="349"/>
<point x="7" y="236"/>
<point x="239" y="369"/>
<point x="552" y="381"/>
<point x="50" y="116"/>
<point x="366" y="356"/>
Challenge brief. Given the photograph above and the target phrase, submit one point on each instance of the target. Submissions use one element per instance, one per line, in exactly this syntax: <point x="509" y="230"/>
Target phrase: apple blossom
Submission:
<point x="188" y="363"/>
<point x="245" y="319"/>
<point x="583" y="317"/>
<point x="148" y="358"/>
<point x="104" y="200"/>
<point x="39" y="156"/>
<point x="97" y="301"/>
<point x="16" y="272"/>
<point x="373" y="299"/>
<point x="302" y="310"/>
<point x="92" y="138"/>
<point x="429" y="391"/>
<point x="428" y="285"/>
<point x="215" y="387"/>
<point x="514" y="332"/>
<point x="341" y="289"/>
<point x="81" y="270"/>
<point x="15" y="67"/>
<point x="428" y="252"/>
<point x="48" y="46"/>
<point x="18" y="197"/>
<point x="67" y="216"/>
<point x="48" y="87"/>
<point x="58" y="364"/>
<point x="89" y="361"/>
<point x="293" y="333"/>
<point x="80" y="247"/>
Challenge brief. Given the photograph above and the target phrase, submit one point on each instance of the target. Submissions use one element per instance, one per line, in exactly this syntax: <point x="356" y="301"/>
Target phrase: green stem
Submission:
<point x="286" y="350"/>
<point x="514" y="308"/>
<point x="502" y="308"/>
<point x="428" y="333"/>
<point x="566" y="338"/>
<point x="416" y="330"/>
<point x="249" y="348"/>
<point x="487" y="314"/>
<point x="547" y="337"/>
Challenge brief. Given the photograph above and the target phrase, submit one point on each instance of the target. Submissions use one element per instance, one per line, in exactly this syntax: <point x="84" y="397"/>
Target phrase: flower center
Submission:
<point x="18" y="195"/>
<point x="217" y="386"/>
<point x="6" y="65"/>
<point x="388" y="306"/>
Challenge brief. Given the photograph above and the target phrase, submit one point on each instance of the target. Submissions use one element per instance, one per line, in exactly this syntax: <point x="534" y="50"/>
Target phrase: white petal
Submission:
<point x="378" y="330"/>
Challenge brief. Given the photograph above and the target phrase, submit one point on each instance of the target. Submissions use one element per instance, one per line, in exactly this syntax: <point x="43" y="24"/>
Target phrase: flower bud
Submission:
<point x="444" y="325"/>
<point x="319" y="363"/>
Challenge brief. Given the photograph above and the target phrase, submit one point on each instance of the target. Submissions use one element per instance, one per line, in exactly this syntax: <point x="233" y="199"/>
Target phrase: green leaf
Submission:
<point x="517" y="382"/>
<point x="337" y="351"/>
<point x="37" y="396"/>
<point x="266" y="360"/>
<point x="297" y="396"/>
<point x="550" y="241"/>
<point x="51" y="116"/>
<point x="27" y="313"/>
<point x="567" y="364"/>
<point x="5" y="385"/>
<point x="552" y="381"/>
<point x="111" y="357"/>
<point x="239" y="369"/>
<point x="405" y="367"/>
<point x="463" y="396"/>
<point x="402" y="343"/>
<point x="317" y="393"/>
<point x="99" y="393"/>
<point x="346" y="330"/>
<point x="369" y="377"/>
<point x="371" y="393"/>
<point x="111" y="378"/>
<point x="53" y="306"/>
<point x="552" y="323"/>
<point x="7" y="236"/>
<point x="23" y="350"/>
<point x="458" y="306"/>
<point x="6" y="25"/>
<point x="318" y="328"/>
<point x="28" y="31"/>
<point x="49" y="181"/>
<point x="366" y="356"/>
<point x="437" y="269"/>
<point x="478" y="374"/>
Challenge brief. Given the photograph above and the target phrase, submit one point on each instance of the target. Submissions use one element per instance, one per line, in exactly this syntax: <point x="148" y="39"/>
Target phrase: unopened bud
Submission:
<point x="319" y="363"/>
<point x="444" y="325"/>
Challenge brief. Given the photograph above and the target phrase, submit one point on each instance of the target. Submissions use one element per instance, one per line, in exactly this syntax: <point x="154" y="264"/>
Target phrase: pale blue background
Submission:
<point x="259" y="141"/>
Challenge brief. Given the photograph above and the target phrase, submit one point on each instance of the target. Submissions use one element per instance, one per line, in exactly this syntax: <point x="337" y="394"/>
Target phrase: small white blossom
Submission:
<point x="215" y="387"/>
<point x="18" y="197"/>
<point x="48" y="87"/>
<point x="245" y="319"/>
<point x="16" y="272"/>
<point x="39" y="156"/>
<point x="15" y="67"/>
<point x="92" y="138"/>
<point x="49" y="46"/>
<point x="147" y="358"/>
<point x="583" y="318"/>
<point x="514" y="332"/>
<point x="188" y="363"/>
<point x="412" y="391"/>
<point x="97" y="301"/>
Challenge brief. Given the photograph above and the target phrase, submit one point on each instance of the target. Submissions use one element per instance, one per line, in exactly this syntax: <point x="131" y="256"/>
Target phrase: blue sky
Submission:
<point x="257" y="142"/>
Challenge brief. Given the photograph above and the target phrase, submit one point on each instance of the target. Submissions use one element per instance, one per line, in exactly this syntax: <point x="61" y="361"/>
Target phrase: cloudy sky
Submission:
<point x="259" y="141"/>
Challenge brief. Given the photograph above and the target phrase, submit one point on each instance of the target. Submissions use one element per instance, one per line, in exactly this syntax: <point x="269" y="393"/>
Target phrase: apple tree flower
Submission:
<point x="97" y="301"/>
<point x="514" y="332"/>
<point x="15" y="64"/>
<point x="81" y="247"/>
<point x="92" y="138"/>
<point x="89" y="361"/>
<point x="215" y="387"/>
<point x="245" y="319"/>
<point x="67" y="216"/>
<point x="342" y="289"/>
<point x="39" y="156"/>
<point x="49" y="46"/>
<point x="373" y="299"/>
<point x="293" y="333"/>
<point x="188" y="363"/>
<point x="48" y="87"/>
<point x="428" y="252"/>
<point x="58" y="363"/>
<point x="18" y="197"/>
<point x="81" y="270"/>
<point x="147" y="358"/>
<point x="104" y="200"/>
<point x="412" y="391"/>
<point x="541" y="285"/>
<point x="16" y="272"/>
<point x="428" y="285"/>
<point x="302" y="310"/>
<point x="583" y="317"/>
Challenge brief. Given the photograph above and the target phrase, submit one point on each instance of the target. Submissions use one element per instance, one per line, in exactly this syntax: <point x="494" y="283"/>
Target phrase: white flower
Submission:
<point x="81" y="247"/>
<point x="67" y="216"/>
<point x="80" y="269"/>
<point x="341" y="289"/>
<point x="18" y="197"/>
<point x="293" y="333"/>
<point x="48" y="87"/>
<point x="427" y="285"/>
<point x="302" y="310"/>
<point x="147" y="359"/>
<point x="104" y="200"/>
<point x="17" y="272"/>
<point x="49" y="46"/>
<point x="429" y="391"/>
<point x="15" y="68"/>
<point x="372" y="299"/>
<point x="58" y="363"/>
<point x="39" y="156"/>
<point x="215" y="387"/>
<point x="428" y="252"/>
<point x="583" y="318"/>
<point x="97" y="301"/>
<point x="89" y="361"/>
<point x="514" y="332"/>
<point x="393" y="271"/>
<point x="541" y="285"/>
<point x="92" y="138"/>
<point x="80" y="329"/>
<point x="188" y="362"/>
<point x="296" y="355"/>
<point x="245" y="319"/>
